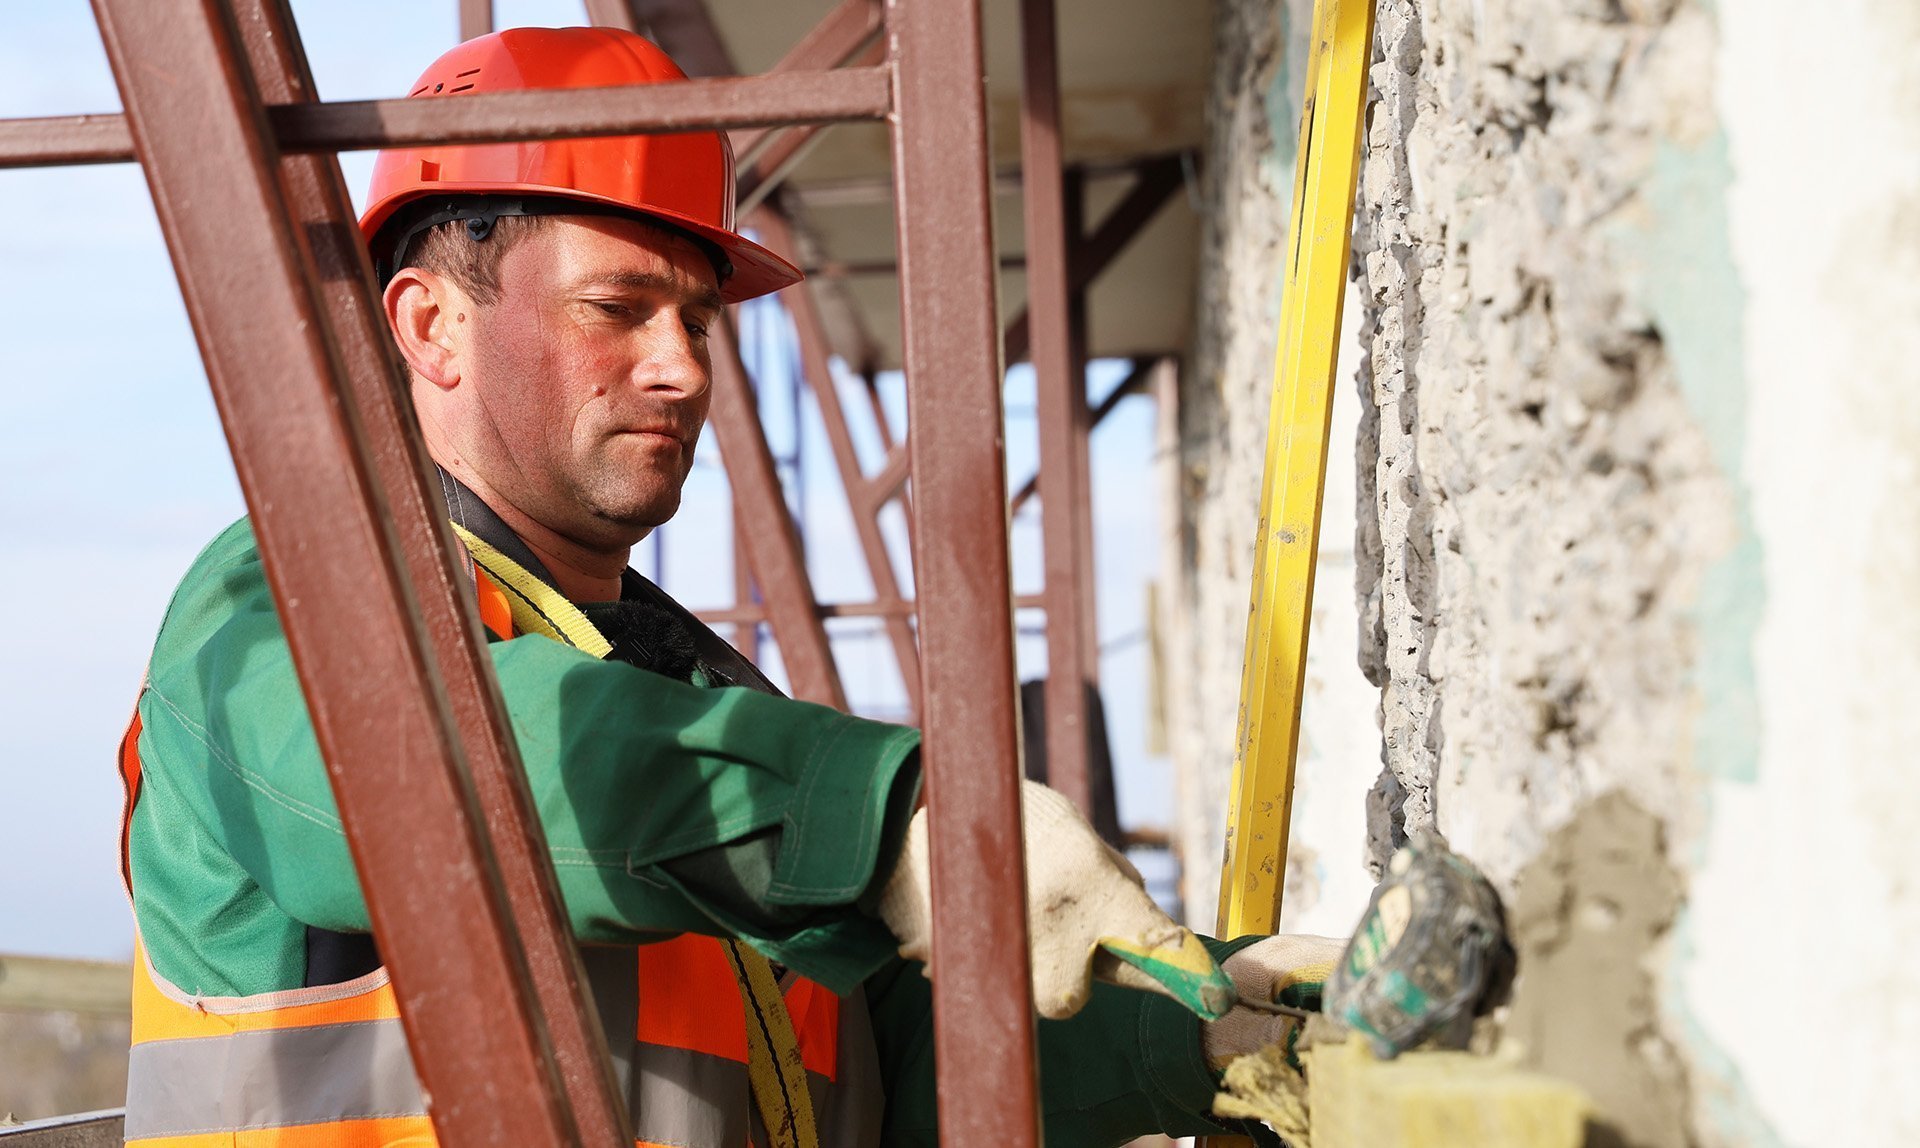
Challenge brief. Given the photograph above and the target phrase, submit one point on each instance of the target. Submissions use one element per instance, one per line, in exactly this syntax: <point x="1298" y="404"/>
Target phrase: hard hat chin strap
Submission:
<point x="482" y="212"/>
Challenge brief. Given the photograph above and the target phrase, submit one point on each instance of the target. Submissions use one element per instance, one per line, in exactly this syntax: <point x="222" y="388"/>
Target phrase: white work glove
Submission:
<point x="1079" y="893"/>
<point x="1265" y="971"/>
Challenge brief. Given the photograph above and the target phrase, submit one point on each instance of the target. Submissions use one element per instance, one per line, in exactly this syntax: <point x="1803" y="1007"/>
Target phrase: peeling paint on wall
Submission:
<point x="1678" y="263"/>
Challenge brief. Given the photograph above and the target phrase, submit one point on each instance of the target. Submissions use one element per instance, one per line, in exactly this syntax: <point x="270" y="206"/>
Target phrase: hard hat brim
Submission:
<point x="757" y="271"/>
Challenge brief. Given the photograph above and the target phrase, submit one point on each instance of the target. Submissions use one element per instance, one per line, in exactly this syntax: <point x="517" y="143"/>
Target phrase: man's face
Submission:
<point x="590" y="376"/>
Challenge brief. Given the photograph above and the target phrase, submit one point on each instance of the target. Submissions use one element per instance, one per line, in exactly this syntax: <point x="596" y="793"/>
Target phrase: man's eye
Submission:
<point x="697" y="330"/>
<point x="613" y="310"/>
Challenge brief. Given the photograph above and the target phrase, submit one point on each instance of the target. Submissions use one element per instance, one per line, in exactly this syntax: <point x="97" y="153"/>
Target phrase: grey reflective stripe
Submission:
<point x="613" y="979"/>
<point x="270" y="1078"/>
<point x="688" y="1099"/>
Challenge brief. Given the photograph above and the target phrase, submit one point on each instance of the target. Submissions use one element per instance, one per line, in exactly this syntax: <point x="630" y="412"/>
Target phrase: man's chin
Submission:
<point x="628" y="521"/>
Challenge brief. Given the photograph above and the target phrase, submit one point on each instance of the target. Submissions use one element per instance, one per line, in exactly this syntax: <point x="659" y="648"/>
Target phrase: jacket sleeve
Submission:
<point x="634" y="776"/>
<point x="1127" y="1065"/>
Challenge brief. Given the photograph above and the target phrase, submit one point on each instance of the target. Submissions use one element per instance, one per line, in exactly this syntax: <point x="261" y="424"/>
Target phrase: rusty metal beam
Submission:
<point x="814" y="357"/>
<point x="766" y="530"/>
<point x="323" y="219"/>
<point x="1158" y="180"/>
<point x="682" y="27"/>
<point x="1085" y="596"/>
<point x="476" y="18"/>
<point x="495" y="117"/>
<point x="841" y="36"/>
<point x="891" y="476"/>
<point x="877" y="190"/>
<point x="782" y="153"/>
<point x="984" y="1043"/>
<point x="870" y="379"/>
<point x="887" y="483"/>
<point x="61" y="141"/>
<point x="743" y="614"/>
<point x="1061" y="402"/>
<point x="849" y="34"/>
<point x="849" y="269"/>
<point x="746" y="630"/>
<point x="783" y="150"/>
<point x="432" y="884"/>
<point x="869" y="190"/>
<point x="845" y="95"/>
<point x="891" y="482"/>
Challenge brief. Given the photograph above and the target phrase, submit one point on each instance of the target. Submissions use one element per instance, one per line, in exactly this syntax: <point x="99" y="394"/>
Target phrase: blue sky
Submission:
<point x="114" y="472"/>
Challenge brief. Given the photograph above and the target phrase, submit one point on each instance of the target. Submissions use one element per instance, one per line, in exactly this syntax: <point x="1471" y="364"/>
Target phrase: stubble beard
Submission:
<point x="629" y="501"/>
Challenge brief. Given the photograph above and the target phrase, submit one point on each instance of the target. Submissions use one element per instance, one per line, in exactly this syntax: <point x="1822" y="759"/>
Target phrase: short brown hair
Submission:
<point x="474" y="264"/>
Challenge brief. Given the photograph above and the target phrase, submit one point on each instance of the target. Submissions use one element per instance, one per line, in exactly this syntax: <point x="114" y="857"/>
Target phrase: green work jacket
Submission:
<point x="669" y="807"/>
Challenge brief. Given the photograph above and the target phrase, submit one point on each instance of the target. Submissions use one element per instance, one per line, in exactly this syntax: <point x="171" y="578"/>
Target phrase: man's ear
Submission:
<point x="421" y="307"/>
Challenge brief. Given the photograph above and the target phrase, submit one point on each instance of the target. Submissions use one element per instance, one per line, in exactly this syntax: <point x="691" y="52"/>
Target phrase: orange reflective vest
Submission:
<point x="694" y="1025"/>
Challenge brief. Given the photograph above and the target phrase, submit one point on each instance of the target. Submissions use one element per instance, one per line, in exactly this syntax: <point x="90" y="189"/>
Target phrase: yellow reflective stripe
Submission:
<point x="537" y="607"/>
<point x="775" y="1067"/>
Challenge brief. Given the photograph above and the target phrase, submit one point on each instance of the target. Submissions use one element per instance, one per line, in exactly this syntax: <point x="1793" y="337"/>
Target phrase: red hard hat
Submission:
<point x="684" y="179"/>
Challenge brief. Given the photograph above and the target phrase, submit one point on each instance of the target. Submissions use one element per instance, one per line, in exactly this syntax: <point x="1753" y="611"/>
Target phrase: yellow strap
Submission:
<point x="537" y="607"/>
<point x="774" y="1065"/>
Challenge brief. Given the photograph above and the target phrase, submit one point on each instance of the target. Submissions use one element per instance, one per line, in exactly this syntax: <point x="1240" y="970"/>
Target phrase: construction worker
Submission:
<point x="746" y="873"/>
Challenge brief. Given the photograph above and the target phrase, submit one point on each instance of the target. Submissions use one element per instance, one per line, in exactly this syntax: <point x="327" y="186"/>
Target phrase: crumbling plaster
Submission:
<point x="1545" y="508"/>
<point x="1638" y="451"/>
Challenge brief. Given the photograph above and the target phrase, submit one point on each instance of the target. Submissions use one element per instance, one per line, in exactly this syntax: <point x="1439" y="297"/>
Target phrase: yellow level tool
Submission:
<point x="1326" y="172"/>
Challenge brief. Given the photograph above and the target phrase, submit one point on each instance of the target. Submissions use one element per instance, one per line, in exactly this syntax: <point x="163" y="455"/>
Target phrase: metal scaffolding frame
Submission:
<point x="238" y="153"/>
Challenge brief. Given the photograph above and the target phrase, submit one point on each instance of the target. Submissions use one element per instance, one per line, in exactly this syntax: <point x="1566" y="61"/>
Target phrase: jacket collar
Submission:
<point x="466" y="508"/>
<point x="715" y="653"/>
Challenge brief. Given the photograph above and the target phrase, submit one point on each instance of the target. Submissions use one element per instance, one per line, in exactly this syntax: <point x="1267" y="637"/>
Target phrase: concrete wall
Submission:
<point x="1636" y="536"/>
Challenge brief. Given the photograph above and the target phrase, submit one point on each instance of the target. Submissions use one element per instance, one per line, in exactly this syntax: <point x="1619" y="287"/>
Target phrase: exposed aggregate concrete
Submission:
<point x="1538" y="505"/>
<point x="1543" y="501"/>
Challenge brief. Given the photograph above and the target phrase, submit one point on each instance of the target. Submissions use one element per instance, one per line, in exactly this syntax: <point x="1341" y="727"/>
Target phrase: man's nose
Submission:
<point x="675" y="360"/>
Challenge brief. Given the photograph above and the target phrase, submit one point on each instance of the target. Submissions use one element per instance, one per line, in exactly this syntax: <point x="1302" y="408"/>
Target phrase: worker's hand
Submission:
<point x="1291" y="970"/>
<point x="1081" y="895"/>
